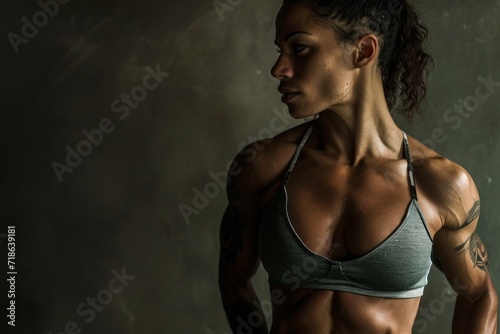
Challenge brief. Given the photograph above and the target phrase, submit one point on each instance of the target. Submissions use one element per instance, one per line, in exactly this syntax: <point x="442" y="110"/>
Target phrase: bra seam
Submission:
<point x="424" y="222"/>
<point x="351" y="281"/>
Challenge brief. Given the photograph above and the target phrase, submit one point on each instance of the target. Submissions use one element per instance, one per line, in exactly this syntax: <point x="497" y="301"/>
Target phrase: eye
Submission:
<point x="298" y="48"/>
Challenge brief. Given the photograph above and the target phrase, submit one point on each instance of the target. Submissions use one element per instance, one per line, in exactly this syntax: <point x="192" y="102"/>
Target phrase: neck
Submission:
<point x="362" y="130"/>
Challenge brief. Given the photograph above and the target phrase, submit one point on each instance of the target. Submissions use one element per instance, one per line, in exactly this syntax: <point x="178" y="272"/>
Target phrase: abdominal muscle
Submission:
<point x="336" y="312"/>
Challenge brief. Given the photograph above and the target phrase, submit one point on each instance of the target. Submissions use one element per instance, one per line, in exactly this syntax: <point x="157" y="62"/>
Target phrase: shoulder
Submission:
<point x="448" y="186"/>
<point x="261" y="163"/>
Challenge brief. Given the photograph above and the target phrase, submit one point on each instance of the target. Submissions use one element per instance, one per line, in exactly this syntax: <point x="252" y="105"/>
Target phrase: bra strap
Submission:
<point x="413" y="188"/>
<point x="296" y="155"/>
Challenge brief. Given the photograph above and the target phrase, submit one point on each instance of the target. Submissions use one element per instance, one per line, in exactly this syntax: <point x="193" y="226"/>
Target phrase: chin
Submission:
<point x="297" y="112"/>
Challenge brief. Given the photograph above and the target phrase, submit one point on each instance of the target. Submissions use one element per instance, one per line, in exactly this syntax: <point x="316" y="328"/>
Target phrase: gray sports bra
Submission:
<point x="397" y="268"/>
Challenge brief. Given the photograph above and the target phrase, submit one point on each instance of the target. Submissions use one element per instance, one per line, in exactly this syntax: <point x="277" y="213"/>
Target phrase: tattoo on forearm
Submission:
<point x="472" y="214"/>
<point x="477" y="251"/>
<point x="231" y="236"/>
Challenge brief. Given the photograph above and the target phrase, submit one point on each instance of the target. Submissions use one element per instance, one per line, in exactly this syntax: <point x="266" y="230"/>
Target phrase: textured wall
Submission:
<point x="168" y="91"/>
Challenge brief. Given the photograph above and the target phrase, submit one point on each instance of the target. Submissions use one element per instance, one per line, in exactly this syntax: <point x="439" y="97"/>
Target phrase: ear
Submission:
<point x="367" y="48"/>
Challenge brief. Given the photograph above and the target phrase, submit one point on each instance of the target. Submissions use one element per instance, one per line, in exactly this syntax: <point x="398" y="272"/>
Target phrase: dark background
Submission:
<point x="120" y="206"/>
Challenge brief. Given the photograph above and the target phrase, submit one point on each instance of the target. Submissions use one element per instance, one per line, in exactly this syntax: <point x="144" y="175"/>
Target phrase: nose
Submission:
<point x="282" y="69"/>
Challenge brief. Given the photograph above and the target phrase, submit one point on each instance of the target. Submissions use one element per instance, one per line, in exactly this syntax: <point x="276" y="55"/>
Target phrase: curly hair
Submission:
<point x="403" y="63"/>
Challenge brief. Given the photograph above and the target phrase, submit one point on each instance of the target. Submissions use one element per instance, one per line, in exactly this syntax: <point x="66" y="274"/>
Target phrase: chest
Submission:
<point x="343" y="213"/>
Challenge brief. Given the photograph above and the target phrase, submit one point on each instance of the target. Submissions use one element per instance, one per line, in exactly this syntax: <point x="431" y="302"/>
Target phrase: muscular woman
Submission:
<point x="347" y="212"/>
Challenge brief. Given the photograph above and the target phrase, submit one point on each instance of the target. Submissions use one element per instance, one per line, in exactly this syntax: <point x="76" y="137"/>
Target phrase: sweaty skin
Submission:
<point x="341" y="212"/>
<point x="348" y="192"/>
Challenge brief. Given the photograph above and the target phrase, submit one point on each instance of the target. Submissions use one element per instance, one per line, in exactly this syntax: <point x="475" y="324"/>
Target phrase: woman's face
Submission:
<point x="312" y="63"/>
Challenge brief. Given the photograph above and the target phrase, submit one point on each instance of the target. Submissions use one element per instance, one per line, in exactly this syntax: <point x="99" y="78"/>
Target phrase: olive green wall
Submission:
<point x="168" y="91"/>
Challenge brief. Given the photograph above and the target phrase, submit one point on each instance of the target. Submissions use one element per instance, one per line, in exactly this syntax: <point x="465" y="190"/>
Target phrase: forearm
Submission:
<point x="243" y="310"/>
<point x="478" y="317"/>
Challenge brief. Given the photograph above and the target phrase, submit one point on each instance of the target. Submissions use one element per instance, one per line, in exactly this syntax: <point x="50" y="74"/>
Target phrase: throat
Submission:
<point x="353" y="139"/>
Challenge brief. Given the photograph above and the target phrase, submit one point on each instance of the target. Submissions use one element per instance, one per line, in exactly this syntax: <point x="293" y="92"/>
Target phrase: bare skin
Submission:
<point x="348" y="192"/>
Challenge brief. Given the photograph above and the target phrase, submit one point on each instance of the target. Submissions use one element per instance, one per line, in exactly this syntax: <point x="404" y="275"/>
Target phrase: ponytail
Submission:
<point x="407" y="68"/>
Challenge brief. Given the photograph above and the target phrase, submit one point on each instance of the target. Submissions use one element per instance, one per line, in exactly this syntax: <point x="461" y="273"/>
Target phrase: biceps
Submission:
<point x="463" y="259"/>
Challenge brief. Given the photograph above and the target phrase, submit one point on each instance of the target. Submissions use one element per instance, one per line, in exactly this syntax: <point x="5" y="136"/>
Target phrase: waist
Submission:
<point x="307" y="311"/>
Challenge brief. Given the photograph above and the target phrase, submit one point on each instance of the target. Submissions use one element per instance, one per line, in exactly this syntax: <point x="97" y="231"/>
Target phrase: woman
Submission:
<point x="347" y="211"/>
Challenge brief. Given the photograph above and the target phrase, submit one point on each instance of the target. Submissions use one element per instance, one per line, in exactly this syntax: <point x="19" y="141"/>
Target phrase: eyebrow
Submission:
<point x="288" y="36"/>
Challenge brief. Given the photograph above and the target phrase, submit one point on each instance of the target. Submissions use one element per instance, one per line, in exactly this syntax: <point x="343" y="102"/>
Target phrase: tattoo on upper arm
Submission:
<point x="472" y="214"/>
<point x="477" y="251"/>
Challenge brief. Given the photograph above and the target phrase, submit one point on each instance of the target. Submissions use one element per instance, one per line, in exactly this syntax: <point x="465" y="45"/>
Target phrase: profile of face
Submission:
<point x="316" y="71"/>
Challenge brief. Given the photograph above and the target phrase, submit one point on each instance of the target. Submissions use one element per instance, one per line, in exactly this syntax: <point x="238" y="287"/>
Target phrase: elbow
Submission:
<point x="225" y="283"/>
<point x="485" y="291"/>
<point x="233" y="289"/>
<point x="491" y="301"/>
<point x="477" y="312"/>
<point x="494" y="297"/>
<point x="491" y="295"/>
<point x="229" y="286"/>
<point x="486" y="300"/>
<point x="226" y="289"/>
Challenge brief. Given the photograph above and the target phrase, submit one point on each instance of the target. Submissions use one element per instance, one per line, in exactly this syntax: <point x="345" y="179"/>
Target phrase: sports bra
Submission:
<point x="396" y="268"/>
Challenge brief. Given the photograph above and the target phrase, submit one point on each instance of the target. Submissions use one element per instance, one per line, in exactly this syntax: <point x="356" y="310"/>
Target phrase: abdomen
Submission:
<point x="335" y="312"/>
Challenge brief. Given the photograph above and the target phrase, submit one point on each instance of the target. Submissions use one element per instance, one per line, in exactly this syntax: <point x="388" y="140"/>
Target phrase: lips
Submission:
<point x="288" y="94"/>
<point x="287" y="98"/>
<point x="286" y="90"/>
